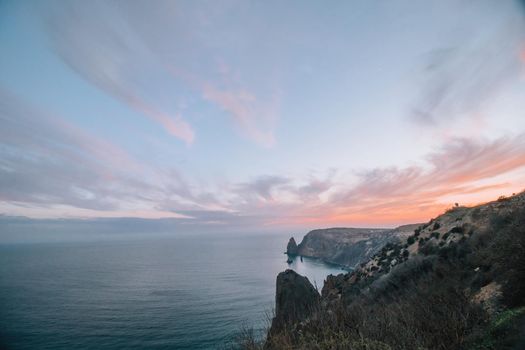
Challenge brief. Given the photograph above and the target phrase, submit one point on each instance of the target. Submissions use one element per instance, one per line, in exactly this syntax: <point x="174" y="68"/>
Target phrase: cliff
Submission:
<point x="295" y="299"/>
<point x="348" y="247"/>
<point x="455" y="282"/>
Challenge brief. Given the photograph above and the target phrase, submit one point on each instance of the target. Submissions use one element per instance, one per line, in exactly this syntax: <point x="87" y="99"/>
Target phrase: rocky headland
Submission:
<point x="347" y="247"/>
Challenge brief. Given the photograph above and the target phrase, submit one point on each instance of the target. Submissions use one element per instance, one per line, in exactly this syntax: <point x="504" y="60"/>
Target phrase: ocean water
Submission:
<point x="170" y="293"/>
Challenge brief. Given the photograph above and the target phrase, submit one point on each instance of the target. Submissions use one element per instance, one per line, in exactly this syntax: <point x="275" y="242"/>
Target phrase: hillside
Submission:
<point x="456" y="282"/>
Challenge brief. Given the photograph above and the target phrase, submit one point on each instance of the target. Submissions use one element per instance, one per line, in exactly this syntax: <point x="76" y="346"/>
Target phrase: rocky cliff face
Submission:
<point x="348" y="246"/>
<point x="295" y="299"/>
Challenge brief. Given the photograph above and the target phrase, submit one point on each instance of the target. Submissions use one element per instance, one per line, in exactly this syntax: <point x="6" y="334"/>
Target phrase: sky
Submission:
<point x="265" y="114"/>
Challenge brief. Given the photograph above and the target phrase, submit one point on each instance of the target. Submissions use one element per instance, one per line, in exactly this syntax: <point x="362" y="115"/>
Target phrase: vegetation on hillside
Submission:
<point x="457" y="283"/>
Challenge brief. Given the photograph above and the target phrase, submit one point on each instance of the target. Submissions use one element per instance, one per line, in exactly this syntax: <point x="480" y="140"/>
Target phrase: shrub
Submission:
<point x="476" y="213"/>
<point x="411" y="240"/>
<point x="498" y="221"/>
<point x="502" y="333"/>
<point x="456" y="229"/>
<point x="428" y="249"/>
<point x="367" y="344"/>
<point x="481" y="279"/>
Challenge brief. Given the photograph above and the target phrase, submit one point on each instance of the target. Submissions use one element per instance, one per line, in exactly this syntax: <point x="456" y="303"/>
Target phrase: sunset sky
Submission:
<point x="262" y="113"/>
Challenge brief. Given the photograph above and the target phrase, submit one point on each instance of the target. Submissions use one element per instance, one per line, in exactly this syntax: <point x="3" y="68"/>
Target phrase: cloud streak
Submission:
<point x="458" y="81"/>
<point x="99" y="45"/>
<point x="462" y="167"/>
<point x="254" y="121"/>
<point x="47" y="162"/>
<point x="110" y="46"/>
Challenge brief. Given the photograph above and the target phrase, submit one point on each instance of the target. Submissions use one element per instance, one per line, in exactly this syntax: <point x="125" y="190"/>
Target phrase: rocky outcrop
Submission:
<point x="348" y="247"/>
<point x="295" y="299"/>
<point x="291" y="248"/>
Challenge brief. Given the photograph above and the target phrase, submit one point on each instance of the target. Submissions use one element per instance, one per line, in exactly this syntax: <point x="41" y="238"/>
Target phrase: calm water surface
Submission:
<point x="176" y="293"/>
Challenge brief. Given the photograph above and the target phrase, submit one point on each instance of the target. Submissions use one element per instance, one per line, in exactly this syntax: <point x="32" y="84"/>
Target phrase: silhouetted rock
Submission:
<point x="295" y="299"/>
<point x="291" y="248"/>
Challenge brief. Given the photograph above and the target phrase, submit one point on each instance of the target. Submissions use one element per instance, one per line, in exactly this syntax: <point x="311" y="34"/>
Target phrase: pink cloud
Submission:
<point x="464" y="171"/>
<point x="46" y="162"/>
<point x="241" y="105"/>
<point x="254" y="118"/>
<point x="177" y="126"/>
<point x="99" y="48"/>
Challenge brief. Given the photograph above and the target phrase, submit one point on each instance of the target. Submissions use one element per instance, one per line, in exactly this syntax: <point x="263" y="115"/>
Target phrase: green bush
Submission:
<point x="502" y="333"/>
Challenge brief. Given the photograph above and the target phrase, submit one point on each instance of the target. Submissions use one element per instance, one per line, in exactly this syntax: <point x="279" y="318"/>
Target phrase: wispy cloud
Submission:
<point x="458" y="81"/>
<point x="181" y="65"/>
<point x="47" y="162"/>
<point x="174" y="125"/>
<point x="254" y="117"/>
<point x="144" y="55"/>
<point x="97" y="43"/>
<point x="253" y="120"/>
<point x="462" y="167"/>
<point x="263" y="187"/>
<point x="464" y="170"/>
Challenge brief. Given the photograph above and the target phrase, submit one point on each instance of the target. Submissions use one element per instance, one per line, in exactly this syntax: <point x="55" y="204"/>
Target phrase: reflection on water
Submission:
<point x="314" y="269"/>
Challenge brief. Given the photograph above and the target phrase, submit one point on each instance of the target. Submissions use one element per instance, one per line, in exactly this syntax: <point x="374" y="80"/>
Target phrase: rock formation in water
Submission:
<point x="291" y="248"/>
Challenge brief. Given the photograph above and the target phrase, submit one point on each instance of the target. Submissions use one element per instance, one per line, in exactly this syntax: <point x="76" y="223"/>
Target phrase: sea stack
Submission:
<point x="295" y="299"/>
<point x="291" y="248"/>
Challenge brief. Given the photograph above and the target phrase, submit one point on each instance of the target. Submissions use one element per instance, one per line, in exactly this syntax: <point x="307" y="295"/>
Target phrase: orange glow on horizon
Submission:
<point x="383" y="214"/>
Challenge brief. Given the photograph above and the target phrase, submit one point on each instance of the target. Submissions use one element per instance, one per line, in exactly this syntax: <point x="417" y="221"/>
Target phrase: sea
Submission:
<point x="187" y="292"/>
